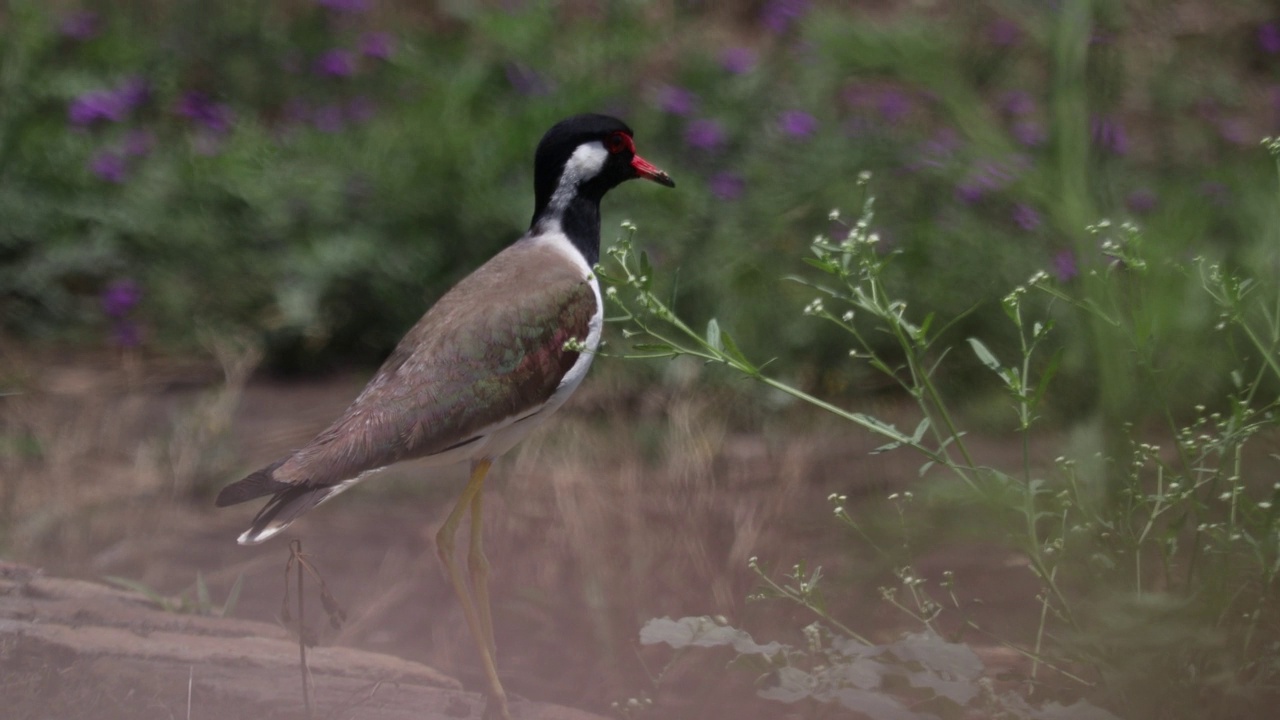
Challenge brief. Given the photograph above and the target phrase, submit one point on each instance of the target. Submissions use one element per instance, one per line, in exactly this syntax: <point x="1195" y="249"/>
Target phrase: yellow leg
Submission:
<point x="478" y="565"/>
<point x="497" y="706"/>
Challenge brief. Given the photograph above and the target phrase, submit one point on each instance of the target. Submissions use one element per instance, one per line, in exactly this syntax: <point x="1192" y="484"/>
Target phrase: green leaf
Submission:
<point x="824" y="265"/>
<point x="937" y="655"/>
<point x="165" y="603"/>
<point x="653" y="347"/>
<point x="950" y="669"/>
<point x="702" y="632"/>
<point x="233" y="597"/>
<point x="922" y="335"/>
<point x="203" y="603"/>
<point x="920" y="430"/>
<point x="646" y="271"/>
<point x="1046" y="376"/>
<point x="754" y="664"/>
<point x="882" y="428"/>
<point x="607" y="277"/>
<point x="885" y="448"/>
<point x="984" y="355"/>
<point x="789" y="685"/>
<point x="731" y="349"/>
<point x="713" y="335"/>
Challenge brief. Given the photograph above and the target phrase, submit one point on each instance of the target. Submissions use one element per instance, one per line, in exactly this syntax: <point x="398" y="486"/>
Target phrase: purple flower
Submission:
<point x="139" y="142"/>
<point x="82" y="25"/>
<point x="987" y="177"/>
<point x="1029" y="133"/>
<point x="1026" y="217"/>
<point x="120" y="297"/>
<point x="704" y="134"/>
<point x="727" y="186"/>
<point x="1141" y="201"/>
<point x="1018" y="102"/>
<point x="738" y="60"/>
<point x="893" y="104"/>
<point x="937" y="151"/>
<point x="1003" y="32"/>
<point x="526" y="81"/>
<point x="108" y="165"/>
<point x="676" y="100"/>
<point x="347" y="6"/>
<point x="109" y="105"/>
<point x="778" y="15"/>
<point x="969" y="193"/>
<point x="797" y="123"/>
<point x="378" y="45"/>
<point x="1064" y="265"/>
<point x="1109" y="135"/>
<point x="328" y="118"/>
<point x="97" y="105"/>
<point x="200" y="109"/>
<point x="1234" y="130"/>
<point x="890" y="102"/>
<point x="133" y="92"/>
<point x="336" y="63"/>
<point x="1269" y="38"/>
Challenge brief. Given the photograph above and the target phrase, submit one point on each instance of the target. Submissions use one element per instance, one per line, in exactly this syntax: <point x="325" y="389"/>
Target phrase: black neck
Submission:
<point x="580" y="221"/>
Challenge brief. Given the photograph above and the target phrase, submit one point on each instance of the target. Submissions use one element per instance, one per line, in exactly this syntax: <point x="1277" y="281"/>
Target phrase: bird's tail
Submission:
<point x="289" y="501"/>
<point x="285" y="507"/>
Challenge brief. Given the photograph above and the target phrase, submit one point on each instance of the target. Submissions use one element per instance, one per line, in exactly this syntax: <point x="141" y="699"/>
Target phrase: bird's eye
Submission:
<point x="617" y="142"/>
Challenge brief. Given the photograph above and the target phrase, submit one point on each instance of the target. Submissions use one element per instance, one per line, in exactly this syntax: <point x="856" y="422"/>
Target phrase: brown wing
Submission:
<point x="490" y="349"/>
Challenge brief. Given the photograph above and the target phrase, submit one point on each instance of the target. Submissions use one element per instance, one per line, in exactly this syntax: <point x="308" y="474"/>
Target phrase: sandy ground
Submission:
<point x="623" y="509"/>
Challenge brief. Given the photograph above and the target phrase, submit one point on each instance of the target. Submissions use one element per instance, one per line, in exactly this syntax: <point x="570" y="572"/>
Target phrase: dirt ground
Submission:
<point x="622" y="509"/>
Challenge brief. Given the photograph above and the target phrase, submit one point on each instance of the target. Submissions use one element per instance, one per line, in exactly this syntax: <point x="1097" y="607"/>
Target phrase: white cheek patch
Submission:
<point x="585" y="163"/>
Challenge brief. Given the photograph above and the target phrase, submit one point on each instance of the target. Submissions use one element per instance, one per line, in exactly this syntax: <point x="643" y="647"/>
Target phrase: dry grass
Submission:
<point x="115" y="431"/>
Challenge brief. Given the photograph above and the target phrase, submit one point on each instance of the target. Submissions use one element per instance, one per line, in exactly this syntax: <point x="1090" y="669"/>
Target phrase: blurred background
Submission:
<point x="216" y="219"/>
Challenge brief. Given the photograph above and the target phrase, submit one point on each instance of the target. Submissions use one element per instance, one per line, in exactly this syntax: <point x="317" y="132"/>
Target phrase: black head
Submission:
<point x="586" y="156"/>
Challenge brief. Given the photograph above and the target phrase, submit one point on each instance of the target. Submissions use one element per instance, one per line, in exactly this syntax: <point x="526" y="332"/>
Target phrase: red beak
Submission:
<point x="645" y="169"/>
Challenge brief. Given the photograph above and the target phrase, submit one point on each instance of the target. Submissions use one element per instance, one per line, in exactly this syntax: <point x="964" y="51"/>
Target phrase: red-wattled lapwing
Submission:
<point x="488" y="362"/>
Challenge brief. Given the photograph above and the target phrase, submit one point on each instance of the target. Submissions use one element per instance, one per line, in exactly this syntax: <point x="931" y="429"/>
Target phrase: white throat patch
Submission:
<point x="585" y="163"/>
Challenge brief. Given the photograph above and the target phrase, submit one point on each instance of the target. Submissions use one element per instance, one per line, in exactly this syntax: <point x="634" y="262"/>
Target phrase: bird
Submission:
<point x="492" y="358"/>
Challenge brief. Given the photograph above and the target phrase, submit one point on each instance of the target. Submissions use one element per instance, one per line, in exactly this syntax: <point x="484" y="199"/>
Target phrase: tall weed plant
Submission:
<point x="1156" y="568"/>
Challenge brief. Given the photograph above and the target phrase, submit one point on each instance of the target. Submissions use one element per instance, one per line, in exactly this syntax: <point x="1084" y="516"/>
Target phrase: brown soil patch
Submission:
<point x="72" y="649"/>
<point x="623" y="509"/>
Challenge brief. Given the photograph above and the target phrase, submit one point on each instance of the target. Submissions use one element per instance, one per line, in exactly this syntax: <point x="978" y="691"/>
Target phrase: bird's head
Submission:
<point x="588" y="155"/>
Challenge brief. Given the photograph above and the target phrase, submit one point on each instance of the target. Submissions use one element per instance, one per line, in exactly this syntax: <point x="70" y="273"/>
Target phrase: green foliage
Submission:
<point x="934" y="677"/>
<point x="322" y="212"/>
<point x="1157" y="567"/>
<point x="201" y="604"/>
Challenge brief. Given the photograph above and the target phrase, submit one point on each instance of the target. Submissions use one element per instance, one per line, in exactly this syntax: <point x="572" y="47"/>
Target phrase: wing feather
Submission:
<point x="490" y="349"/>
